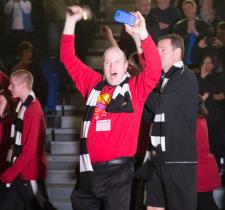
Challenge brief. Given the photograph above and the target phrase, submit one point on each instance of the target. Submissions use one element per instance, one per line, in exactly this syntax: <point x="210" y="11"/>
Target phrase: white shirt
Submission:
<point x="17" y="16"/>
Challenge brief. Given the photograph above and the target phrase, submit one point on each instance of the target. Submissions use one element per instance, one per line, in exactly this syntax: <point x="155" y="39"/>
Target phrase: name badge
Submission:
<point x="103" y="125"/>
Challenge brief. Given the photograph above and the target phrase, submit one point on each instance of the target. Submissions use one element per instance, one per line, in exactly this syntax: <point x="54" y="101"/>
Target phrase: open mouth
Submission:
<point x="113" y="75"/>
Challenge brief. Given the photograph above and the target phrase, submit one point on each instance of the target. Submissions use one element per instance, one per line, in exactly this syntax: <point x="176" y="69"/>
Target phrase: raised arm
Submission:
<point x="108" y="35"/>
<point x="83" y="76"/>
<point x="149" y="77"/>
<point x="136" y="38"/>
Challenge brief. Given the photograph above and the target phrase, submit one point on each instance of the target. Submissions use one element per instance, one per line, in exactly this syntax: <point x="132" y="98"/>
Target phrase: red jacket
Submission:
<point x="32" y="161"/>
<point x="122" y="139"/>
<point x="208" y="177"/>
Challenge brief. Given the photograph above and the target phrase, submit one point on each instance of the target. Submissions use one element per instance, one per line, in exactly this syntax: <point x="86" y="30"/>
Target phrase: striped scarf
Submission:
<point x="120" y="102"/>
<point x="17" y="129"/>
<point x="158" y="132"/>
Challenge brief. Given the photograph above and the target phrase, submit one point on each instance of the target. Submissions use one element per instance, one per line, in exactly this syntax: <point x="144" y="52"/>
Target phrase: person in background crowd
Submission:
<point x="220" y="8"/>
<point x="174" y="105"/>
<point x="208" y="177"/>
<point x="114" y="108"/>
<point x="40" y="86"/>
<point x="212" y="45"/>
<point x="18" y="23"/>
<point x="207" y="12"/>
<point x="192" y="29"/>
<point x="212" y="90"/>
<point x="40" y="26"/>
<point x="54" y="11"/>
<point x="167" y="16"/>
<point x="54" y="73"/>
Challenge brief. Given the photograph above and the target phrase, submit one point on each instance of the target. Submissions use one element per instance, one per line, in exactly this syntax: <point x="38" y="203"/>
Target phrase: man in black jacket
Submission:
<point x="172" y="175"/>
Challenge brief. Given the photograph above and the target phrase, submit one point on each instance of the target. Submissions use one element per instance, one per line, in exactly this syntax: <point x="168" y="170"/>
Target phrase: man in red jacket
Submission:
<point x="26" y="157"/>
<point x="111" y="123"/>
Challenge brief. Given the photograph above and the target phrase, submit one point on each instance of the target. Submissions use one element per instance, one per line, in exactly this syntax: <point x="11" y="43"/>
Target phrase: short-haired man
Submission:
<point x="173" y="159"/>
<point x="111" y="123"/>
<point x="26" y="158"/>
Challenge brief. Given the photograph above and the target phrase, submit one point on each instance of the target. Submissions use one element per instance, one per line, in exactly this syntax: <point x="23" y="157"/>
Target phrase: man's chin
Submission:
<point x="111" y="81"/>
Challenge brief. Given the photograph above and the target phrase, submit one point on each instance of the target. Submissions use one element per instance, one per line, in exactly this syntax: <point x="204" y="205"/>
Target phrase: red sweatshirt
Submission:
<point x="121" y="140"/>
<point x="32" y="161"/>
<point x="208" y="177"/>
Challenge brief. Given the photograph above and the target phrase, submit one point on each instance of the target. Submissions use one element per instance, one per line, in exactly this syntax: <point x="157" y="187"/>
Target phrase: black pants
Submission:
<point x="173" y="186"/>
<point x="111" y="191"/>
<point x="23" y="194"/>
<point x="206" y="201"/>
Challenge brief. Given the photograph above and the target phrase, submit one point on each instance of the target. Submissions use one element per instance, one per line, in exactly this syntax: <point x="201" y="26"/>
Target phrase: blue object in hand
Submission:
<point x="122" y="16"/>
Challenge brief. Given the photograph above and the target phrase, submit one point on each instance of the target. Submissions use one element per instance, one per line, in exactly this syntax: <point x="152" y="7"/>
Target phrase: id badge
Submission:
<point x="103" y="125"/>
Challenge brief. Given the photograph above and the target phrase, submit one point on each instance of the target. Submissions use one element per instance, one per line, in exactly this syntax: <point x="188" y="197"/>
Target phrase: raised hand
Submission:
<point x="108" y="35"/>
<point x="75" y="12"/>
<point x="106" y="32"/>
<point x="139" y="27"/>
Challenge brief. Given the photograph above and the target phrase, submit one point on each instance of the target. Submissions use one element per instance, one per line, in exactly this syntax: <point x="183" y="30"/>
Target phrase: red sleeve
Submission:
<point x="82" y="75"/>
<point x="32" y="127"/>
<point x="150" y="75"/>
<point x="142" y="59"/>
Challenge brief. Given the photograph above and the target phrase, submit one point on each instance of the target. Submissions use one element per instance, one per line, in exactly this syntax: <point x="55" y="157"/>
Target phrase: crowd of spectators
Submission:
<point x="30" y="32"/>
<point x="40" y="23"/>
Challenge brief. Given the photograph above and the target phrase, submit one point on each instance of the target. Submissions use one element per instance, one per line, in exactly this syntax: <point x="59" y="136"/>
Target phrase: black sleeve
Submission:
<point x="189" y="99"/>
<point x="150" y="107"/>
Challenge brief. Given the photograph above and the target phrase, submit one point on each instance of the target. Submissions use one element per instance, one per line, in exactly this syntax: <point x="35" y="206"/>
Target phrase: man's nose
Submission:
<point x="10" y="87"/>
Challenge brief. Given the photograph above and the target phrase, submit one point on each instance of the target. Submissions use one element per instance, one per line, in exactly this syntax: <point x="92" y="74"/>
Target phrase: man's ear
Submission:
<point x="178" y="54"/>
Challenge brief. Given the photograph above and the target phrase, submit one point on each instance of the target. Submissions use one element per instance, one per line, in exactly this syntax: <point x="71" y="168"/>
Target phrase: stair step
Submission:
<point x="78" y="101"/>
<point x="64" y="162"/>
<point x="68" y="110"/>
<point x="61" y="177"/>
<point x="74" y="98"/>
<point x="59" y="191"/>
<point x="53" y="121"/>
<point x="62" y="134"/>
<point x="71" y="122"/>
<point x="67" y="148"/>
